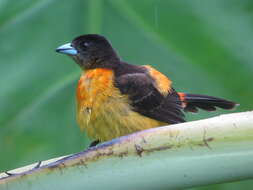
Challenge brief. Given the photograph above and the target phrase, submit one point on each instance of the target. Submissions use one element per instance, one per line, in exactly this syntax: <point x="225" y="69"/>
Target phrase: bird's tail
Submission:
<point x="191" y="102"/>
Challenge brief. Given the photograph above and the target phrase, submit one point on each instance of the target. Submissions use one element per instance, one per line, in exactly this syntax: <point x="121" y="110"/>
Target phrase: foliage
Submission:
<point x="178" y="156"/>
<point x="203" y="46"/>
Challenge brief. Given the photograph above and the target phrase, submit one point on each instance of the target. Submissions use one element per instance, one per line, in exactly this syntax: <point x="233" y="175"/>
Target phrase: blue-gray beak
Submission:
<point x="67" y="49"/>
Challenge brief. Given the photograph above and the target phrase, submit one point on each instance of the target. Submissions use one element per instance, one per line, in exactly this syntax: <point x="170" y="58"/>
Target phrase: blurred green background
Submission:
<point x="203" y="46"/>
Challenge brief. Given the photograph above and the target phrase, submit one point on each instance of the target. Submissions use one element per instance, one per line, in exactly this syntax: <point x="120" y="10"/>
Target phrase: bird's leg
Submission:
<point x="94" y="143"/>
<point x="37" y="165"/>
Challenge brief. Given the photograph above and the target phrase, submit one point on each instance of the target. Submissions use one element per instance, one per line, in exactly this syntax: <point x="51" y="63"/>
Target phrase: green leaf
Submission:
<point x="203" y="46"/>
<point x="178" y="156"/>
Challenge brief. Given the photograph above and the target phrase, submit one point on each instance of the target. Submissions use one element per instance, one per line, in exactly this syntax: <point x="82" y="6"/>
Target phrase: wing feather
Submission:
<point x="147" y="99"/>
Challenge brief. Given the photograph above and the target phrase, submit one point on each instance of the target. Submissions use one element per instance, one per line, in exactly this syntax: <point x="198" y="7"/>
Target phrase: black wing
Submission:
<point x="146" y="99"/>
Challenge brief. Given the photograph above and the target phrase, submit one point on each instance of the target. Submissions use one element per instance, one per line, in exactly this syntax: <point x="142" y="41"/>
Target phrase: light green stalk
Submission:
<point x="179" y="156"/>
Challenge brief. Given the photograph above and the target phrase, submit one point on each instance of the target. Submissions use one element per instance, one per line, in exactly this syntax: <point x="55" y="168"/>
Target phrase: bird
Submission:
<point x="115" y="98"/>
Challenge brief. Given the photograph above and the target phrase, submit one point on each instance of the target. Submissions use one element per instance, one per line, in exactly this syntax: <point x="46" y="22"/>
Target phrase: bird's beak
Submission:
<point x="67" y="49"/>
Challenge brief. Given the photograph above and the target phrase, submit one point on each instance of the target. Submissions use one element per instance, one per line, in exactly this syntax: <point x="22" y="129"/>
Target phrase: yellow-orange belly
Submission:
<point x="103" y="111"/>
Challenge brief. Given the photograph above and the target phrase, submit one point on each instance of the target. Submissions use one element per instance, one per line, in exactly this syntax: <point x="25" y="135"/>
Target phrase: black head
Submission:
<point x="91" y="51"/>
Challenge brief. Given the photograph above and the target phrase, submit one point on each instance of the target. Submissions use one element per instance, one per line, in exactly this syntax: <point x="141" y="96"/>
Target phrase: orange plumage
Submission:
<point x="103" y="111"/>
<point x="163" y="83"/>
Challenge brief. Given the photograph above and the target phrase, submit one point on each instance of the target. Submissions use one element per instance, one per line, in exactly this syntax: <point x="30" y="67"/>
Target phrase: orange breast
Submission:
<point x="91" y="84"/>
<point x="103" y="111"/>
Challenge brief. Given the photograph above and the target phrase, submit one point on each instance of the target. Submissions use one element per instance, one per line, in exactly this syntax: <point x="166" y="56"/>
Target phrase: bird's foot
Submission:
<point x="94" y="143"/>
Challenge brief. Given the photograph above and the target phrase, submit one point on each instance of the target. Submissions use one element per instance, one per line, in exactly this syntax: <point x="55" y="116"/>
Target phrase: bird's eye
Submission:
<point x="86" y="44"/>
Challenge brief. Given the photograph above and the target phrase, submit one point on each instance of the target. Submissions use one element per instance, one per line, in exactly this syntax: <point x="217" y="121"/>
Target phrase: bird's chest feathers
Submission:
<point x="94" y="86"/>
<point x="97" y="98"/>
